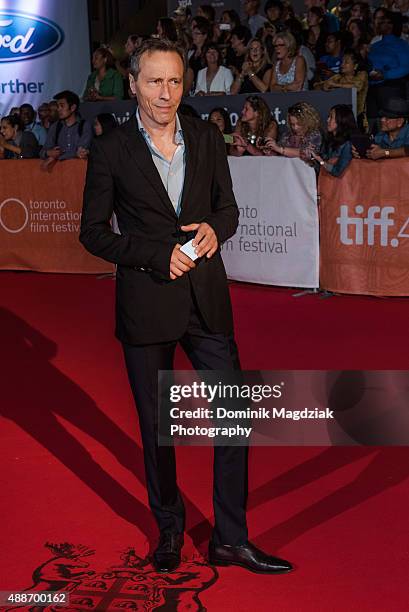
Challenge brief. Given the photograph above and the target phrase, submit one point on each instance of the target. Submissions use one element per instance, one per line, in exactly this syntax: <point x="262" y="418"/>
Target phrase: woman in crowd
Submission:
<point x="166" y="28"/>
<point x="201" y="37"/>
<point x="303" y="135"/>
<point x="104" y="123"/>
<point x="316" y="34"/>
<point x="123" y="66"/>
<point x="359" y="32"/>
<point x="255" y="75"/>
<point x="14" y="142"/>
<point x="361" y="10"/>
<point x="220" y="117"/>
<point x="104" y="83"/>
<point x="337" y="150"/>
<point x="255" y="125"/>
<point x="215" y="79"/>
<point x="289" y="72"/>
<point x="229" y="20"/>
<point x="350" y="76"/>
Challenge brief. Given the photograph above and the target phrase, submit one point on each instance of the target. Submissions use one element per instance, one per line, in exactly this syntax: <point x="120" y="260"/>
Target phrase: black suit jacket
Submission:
<point x="122" y="177"/>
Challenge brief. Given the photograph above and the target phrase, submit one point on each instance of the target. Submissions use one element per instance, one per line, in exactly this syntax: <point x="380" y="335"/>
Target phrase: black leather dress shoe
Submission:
<point x="166" y="557"/>
<point x="249" y="557"/>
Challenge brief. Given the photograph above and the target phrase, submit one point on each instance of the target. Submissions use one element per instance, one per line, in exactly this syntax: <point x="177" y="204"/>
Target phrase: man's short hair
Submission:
<point x="150" y="46"/>
<point x="27" y="106"/>
<point x="70" y="96"/>
<point x="243" y="33"/>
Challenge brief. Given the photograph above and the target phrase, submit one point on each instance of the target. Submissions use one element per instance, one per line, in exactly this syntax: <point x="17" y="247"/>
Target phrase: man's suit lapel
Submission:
<point x="142" y="157"/>
<point x="191" y="149"/>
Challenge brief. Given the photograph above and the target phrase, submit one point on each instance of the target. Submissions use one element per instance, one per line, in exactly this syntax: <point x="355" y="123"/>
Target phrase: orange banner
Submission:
<point x="40" y="216"/>
<point x="365" y="229"/>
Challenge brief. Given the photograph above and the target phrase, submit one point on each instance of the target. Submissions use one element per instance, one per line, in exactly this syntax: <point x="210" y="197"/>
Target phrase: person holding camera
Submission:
<point x="302" y="137"/>
<point x="337" y="149"/>
<point x="255" y="125"/>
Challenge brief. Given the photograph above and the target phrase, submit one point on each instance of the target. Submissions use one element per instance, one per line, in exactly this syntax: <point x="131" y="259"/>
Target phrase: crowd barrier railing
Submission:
<point x="278" y="103"/>
<point x="361" y="246"/>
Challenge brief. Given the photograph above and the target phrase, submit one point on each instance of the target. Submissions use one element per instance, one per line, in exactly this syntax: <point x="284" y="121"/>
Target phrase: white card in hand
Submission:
<point x="189" y="250"/>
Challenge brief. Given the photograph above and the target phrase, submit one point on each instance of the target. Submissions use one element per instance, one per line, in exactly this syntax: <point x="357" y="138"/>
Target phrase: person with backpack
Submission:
<point x="69" y="137"/>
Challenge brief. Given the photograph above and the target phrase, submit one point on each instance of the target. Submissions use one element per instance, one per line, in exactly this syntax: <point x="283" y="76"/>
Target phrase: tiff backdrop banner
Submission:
<point x="44" y="48"/>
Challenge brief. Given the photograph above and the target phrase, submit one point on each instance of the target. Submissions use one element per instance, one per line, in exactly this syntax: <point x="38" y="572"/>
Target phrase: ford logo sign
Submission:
<point x="24" y="36"/>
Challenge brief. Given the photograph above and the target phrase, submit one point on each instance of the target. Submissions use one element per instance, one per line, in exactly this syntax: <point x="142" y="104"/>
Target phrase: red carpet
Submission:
<point x="72" y="465"/>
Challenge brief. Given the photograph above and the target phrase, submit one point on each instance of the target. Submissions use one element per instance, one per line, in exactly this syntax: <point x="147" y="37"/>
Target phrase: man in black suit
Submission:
<point x="167" y="178"/>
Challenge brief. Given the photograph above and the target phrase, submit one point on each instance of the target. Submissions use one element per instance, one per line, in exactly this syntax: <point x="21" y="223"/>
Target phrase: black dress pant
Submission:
<point x="206" y="351"/>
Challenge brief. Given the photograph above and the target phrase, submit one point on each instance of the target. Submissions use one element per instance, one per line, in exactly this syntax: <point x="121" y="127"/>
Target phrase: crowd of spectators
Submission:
<point x="271" y="49"/>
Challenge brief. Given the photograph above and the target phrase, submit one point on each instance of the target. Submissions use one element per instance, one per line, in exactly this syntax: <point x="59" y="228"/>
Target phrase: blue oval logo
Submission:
<point x="24" y="36"/>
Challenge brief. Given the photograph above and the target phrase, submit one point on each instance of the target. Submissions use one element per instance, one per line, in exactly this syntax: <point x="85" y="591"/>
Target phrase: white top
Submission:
<point x="222" y="80"/>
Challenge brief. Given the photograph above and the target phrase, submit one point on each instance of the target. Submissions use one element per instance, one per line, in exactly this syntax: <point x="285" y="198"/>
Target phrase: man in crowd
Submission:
<point x="390" y="60"/>
<point x="182" y="16"/>
<point x="27" y="116"/>
<point x="330" y="63"/>
<point x="331" y="21"/>
<point x="240" y="38"/>
<point x="255" y="21"/>
<point x="70" y="136"/>
<point x="391" y="141"/>
<point x="164" y="189"/>
<point x="44" y="115"/>
<point x="53" y="111"/>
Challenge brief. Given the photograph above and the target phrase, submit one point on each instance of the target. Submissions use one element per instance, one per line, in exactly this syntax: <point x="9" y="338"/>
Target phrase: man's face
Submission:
<point x="378" y="19"/>
<point x="159" y="86"/>
<point x="250" y="7"/>
<point x="389" y="124"/>
<point x="64" y="109"/>
<point x="236" y="44"/>
<point x="26" y="115"/>
<point x="385" y="26"/>
<point x="43" y="111"/>
<point x="53" y="111"/>
<point x="331" y="45"/>
<point x="356" y="12"/>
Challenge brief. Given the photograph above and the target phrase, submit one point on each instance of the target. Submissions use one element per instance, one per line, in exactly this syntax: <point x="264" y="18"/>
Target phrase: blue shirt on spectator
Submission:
<point x="332" y="22"/>
<point x="402" y="139"/>
<point x="69" y="138"/>
<point x="39" y="132"/>
<point x="343" y="155"/>
<point x="333" y="63"/>
<point x="391" y="57"/>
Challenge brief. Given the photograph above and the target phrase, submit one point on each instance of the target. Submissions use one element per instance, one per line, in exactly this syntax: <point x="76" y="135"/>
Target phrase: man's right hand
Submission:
<point x="55" y="152"/>
<point x="180" y="263"/>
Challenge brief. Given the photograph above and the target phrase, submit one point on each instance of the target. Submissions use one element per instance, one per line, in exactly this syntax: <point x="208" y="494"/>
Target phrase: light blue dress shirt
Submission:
<point x="172" y="173"/>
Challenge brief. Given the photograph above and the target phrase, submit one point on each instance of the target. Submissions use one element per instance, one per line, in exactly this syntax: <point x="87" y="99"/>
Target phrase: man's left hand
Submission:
<point x="205" y="240"/>
<point x="375" y="152"/>
<point x="82" y="153"/>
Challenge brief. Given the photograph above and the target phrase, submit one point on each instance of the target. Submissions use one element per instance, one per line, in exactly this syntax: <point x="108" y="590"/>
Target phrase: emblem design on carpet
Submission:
<point x="131" y="584"/>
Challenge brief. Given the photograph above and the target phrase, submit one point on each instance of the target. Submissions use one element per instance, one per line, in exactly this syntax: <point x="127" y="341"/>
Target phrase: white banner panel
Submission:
<point x="44" y="48"/>
<point x="277" y="241"/>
